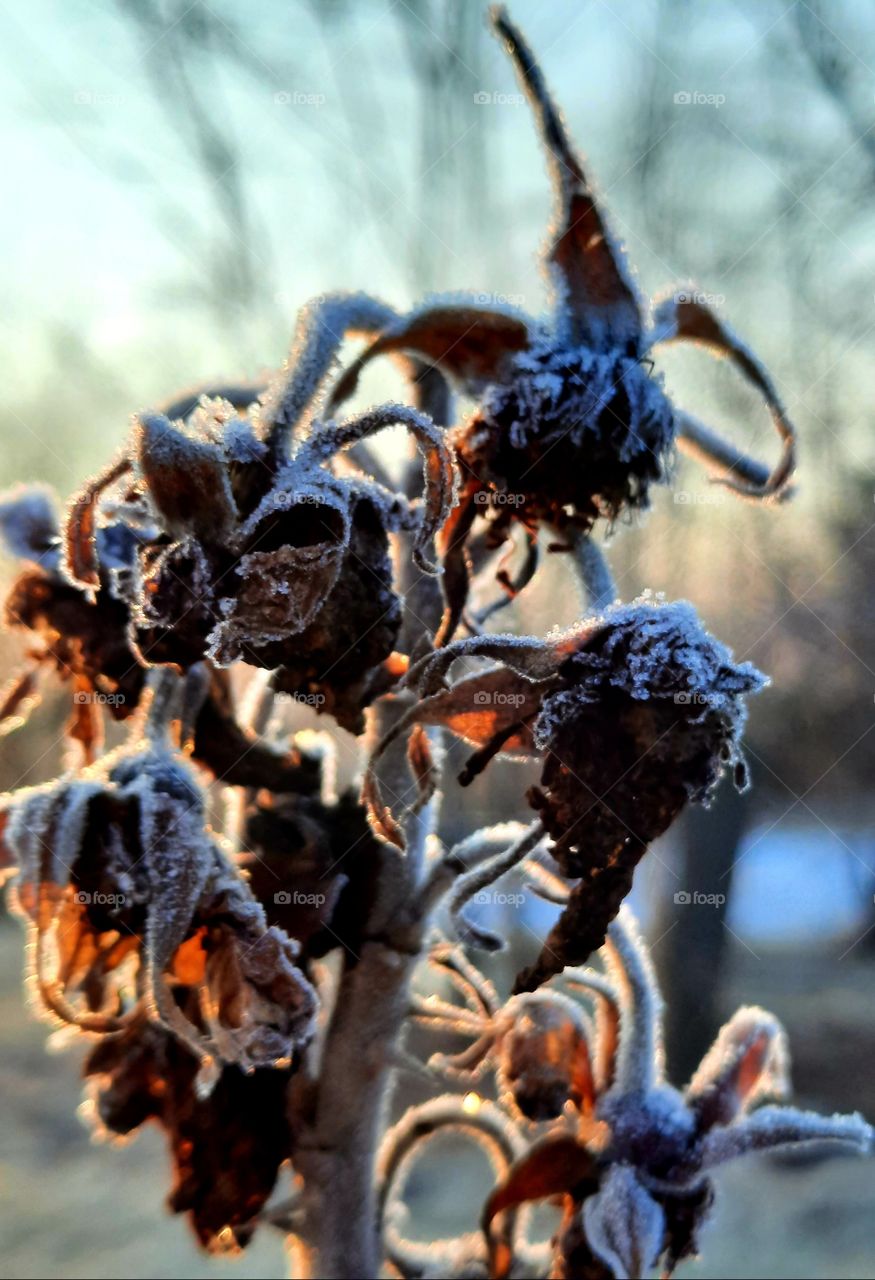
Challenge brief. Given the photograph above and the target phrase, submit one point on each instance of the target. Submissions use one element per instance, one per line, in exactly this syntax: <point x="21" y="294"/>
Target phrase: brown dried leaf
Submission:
<point x="421" y="761"/>
<point x="556" y="1166"/>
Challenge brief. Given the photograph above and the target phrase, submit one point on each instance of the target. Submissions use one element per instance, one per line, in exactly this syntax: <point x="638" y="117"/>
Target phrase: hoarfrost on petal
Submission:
<point x="624" y="1225"/>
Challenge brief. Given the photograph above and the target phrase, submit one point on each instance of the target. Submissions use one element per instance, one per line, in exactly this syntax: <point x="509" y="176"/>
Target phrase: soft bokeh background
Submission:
<point x="182" y="176"/>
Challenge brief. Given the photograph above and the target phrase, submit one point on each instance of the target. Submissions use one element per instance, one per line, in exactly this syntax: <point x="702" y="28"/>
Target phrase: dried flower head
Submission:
<point x="262" y="549"/>
<point x="227" y="1148"/>
<point x="629" y="1156"/>
<point x="571" y="423"/>
<point x="128" y="896"/>
<point x="632" y="713"/>
<point x="536" y="1043"/>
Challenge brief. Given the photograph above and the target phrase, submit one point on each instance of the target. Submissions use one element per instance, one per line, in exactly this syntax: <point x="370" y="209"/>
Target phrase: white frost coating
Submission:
<point x="179" y="874"/>
<point x="30" y="525"/>
<point x="749" y="1061"/>
<point x="774" y="1128"/>
<point x="217" y="421"/>
<point x="640" y="1054"/>
<point x="624" y="1225"/>
<point x="663" y="650"/>
<point x="487" y="873"/>
<point x="320" y="330"/>
<point x="61" y="811"/>
<point x="655" y="650"/>
<point x="175" y="464"/>
<point x="554" y="391"/>
<point x="529" y="657"/>
<point x="439" y="474"/>
<point x="402" y="1147"/>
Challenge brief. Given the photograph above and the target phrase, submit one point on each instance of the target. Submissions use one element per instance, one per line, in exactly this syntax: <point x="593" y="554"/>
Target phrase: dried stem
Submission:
<point x="596" y="579"/>
<point x="344" y="1102"/>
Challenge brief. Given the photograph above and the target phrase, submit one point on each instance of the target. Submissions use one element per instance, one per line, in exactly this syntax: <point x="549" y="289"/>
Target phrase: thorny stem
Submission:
<point x="340" y="1113"/>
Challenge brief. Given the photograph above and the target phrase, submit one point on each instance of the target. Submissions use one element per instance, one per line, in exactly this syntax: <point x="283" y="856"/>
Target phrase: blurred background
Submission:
<point x="184" y="176"/>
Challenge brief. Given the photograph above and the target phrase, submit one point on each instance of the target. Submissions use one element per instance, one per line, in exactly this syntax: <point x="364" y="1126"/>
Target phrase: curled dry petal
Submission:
<point x="469" y="344"/>
<point x="18" y="698"/>
<point x="117" y="866"/>
<point x="187" y="479"/>
<point x="80" y="534"/>
<point x="559" y="1165"/>
<point x="592" y="280"/>
<point x="682" y="317"/>
<point x="227" y="1149"/>
<point x="748" y="1061"/>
